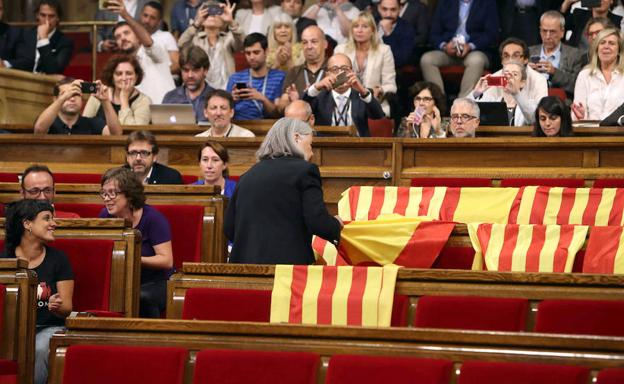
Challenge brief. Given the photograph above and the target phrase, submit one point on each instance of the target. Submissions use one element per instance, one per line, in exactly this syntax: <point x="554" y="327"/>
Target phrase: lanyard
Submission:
<point x="263" y="90"/>
<point x="342" y="116"/>
<point x="307" y="80"/>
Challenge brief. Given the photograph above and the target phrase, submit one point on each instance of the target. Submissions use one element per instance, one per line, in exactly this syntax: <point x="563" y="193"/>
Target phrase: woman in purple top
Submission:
<point x="213" y="162"/>
<point x="123" y="196"/>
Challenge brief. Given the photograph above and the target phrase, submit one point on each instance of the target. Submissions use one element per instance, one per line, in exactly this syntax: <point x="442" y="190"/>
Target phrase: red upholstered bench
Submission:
<point x="609" y="183"/>
<point x="472" y="312"/>
<point x="610" y="376"/>
<point x="104" y="364"/>
<point x="361" y="369"/>
<point x="258" y="367"/>
<point x="451" y="182"/>
<point x="543" y="182"/>
<point x="78" y="178"/>
<point x="8" y="177"/>
<point x="8" y="368"/>
<point x="485" y="372"/>
<point x="580" y="317"/>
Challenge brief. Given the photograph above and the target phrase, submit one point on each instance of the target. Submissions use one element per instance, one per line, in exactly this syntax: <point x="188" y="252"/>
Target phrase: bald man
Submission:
<point x="340" y="99"/>
<point x="300" y="110"/>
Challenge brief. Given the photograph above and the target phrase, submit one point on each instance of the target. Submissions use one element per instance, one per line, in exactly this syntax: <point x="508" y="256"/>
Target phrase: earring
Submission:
<point x="29" y="230"/>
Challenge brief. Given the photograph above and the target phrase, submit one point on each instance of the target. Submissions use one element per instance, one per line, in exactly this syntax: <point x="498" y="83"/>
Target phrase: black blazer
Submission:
<point x="54" y="57"/>
<point x="10" y="42"/>
<point x="161" y="174"/>
<point x="323" y="107"/>
<point x="276" y="208"/>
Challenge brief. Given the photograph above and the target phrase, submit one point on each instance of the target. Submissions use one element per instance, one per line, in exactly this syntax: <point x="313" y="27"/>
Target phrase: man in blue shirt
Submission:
<point x="256" y="89"/>
<point x="194" y="65"/>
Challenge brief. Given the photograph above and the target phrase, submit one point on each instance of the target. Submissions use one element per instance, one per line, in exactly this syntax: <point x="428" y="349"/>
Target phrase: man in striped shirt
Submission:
<point x="256" y="89"/>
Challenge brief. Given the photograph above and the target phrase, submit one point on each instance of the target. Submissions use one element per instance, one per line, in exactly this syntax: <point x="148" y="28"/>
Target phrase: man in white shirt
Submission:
<point x="334" y="18"/>
<point x="219" y="111"/>
<point x="106" y="42"/>
<point x="132" y="38"/>
<point x="151" y="18"/>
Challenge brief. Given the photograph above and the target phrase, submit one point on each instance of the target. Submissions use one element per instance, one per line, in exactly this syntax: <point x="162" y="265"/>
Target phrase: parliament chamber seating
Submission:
<point x="610" y="376"/>
<point x="450" y="182"/>
<point x="543" y="182"/>
<point x="381" y="127"/>
<point x="488" y="372"/>
<point x="609" y="183"/>
<point x="580" y="317"/>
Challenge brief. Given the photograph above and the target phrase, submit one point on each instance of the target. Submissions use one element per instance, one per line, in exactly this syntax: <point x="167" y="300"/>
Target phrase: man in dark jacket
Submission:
<point x="10" y="41"/>
<point x="141" y="156"/>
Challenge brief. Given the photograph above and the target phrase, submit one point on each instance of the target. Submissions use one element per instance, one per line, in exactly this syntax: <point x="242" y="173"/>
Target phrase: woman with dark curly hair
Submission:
<point x="429" y="105"/>
<point x="122" y="73"/>
<point x="124" y="197"/>
<point x="29" y="227"/>
<point x="552" y="118"/>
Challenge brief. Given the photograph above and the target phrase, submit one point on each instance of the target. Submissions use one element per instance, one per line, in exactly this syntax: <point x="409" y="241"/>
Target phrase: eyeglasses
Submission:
<point x="143" y="154"/>
<point x="37" y="191"/>
<point x="463" y="118"/>
<point x="109" y="194"/>
<point x="426" y="99"/>
<point x="343" y="68"/>
<point x="515" y="56"/>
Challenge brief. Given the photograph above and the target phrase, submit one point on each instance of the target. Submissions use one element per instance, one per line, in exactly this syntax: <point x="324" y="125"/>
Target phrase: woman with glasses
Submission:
<point x="552" y="118"/>
<point x="124" y="198"/>
<point x="122" y="73"/>
<point x="278" y="204"/>
<point x="599" y="88"/>
<point x="372" y="59"/>
<point x="29" y="228"/>
<point x="429" y="105"/>
<point x="213" y="161"/>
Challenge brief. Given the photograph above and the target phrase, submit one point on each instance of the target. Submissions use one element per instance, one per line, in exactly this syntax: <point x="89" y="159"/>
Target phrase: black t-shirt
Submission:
<point x="84" y="126"/>
<point x="54" y="267"/>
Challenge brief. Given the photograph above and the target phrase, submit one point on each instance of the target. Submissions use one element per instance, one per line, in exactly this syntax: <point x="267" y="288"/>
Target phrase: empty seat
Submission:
<point x="186" y="231"/>
<point x="258" y="367"/>
<point x="485" y="372"/>
<point x="451" y="182"/>
<point x="543" y="182"/>
<point x="362" y="369"/>
<point x="609" y="183"/>
<point x="381" y="127"/>
<point x="610" y="376"/>
<point x="472" y="312"/>
<point x="581" y="317"/>
<point x="224" y="304"/>
<point x="77" y="178"/>
<point x="104" y="364"/>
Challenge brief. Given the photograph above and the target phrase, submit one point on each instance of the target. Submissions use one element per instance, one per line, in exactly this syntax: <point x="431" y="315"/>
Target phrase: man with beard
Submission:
<point x="151" y="18"/>
<point x="255" y="90"/>
<point x="37" y="183"/>
<point x="219" y="111"/>
<point x="133" y="39"/>
<point x="299" y="78"/>
<point x="63" y="115"/>
<point x="141" y="156"/>
<point x="195" y="64"/>
<point x="395" y="32"/>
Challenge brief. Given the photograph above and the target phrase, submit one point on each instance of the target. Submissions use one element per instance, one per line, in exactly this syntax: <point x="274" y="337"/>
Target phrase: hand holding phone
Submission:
<point x="535" y="59"/>
<point x="497" y="81"/>
<point x="340" y="80"/>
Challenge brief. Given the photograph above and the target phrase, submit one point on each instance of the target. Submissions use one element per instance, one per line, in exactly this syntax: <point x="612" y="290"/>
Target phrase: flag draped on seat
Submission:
<point x="346" y="295"/>
<point x="389" y="239"/>
<point x="605" y="250"/>
<point x="526" y="248"/>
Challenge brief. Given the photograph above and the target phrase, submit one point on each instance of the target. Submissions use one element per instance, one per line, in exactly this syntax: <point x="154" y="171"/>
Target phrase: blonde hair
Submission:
<point x="281" y="19"/>
<point x="367" y="18"/>
<point x="594" y="63"/>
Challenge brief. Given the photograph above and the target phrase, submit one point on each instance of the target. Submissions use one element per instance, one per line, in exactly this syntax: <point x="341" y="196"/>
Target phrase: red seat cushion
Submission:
<point x="472" y="312"/>
<point x="451" y="182"/>
<point x="610" y="376"/>
<point x="82" y="210"/>
<point x="581" y="317"/>
<point x="77" y="178"/>
<point x="543" y="182"/>
<point x="362" y="369"/>
<point x="484" y="372"/>
<point x="225" y="304"/>
<point x="559" y="92"/>
<point x="189" y="179"/>
<point x="104" y="364"/>
<point x="7" y="177"/>
<point x="91" y="262"/>
<point x="455" y="258"/>
<point x="186" y="231"/>
<point x="609" y="183"/>
<point x="400" y="307"/>
<point x="258" y="367"/>
<point x="381" y="127"/>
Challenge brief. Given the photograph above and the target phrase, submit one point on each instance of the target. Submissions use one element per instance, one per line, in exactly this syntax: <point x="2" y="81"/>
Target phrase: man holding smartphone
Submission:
<point x="255" y="90"/>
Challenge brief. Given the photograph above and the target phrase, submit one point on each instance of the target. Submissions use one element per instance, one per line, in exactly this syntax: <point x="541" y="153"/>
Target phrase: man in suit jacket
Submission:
<point x="522" y="18"/>
<point x="10" y="41"/>
<point x="396" y="32"/>
<point x="558" y="62"/>
<point x="141" y="156"/>
<point x="46" y="49"/>
<point x="462" y="32"/>
<point x="342" y="103"/>
<point x="106" y="42"/>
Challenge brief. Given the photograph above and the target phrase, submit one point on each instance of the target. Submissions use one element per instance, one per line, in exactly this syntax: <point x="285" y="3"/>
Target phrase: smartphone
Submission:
<point x="535" y="59"/>
<point x="590" y="3"/>
<point x="419" y="113"/>
<point x="87" y="87"/>
<point x="497" y="81"/>
<point x="241" y="85"/>
<point x="103" y="4"/>
<point x="214" y="8"/>
<point x="340" y="80"/>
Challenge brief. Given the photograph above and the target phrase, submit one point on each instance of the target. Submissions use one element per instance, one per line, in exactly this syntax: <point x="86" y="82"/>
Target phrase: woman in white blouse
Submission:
<point x="372" y="59"/>
<point x="599" y="88"/>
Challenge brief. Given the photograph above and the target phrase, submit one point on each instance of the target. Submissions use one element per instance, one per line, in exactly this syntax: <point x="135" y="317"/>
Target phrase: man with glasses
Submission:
<point x="558" y="63"/>
<point x="141" y="156"/>
<point x="464" y="117"/>
<point x="340" y="99"/>
<point x="37" y="183"/>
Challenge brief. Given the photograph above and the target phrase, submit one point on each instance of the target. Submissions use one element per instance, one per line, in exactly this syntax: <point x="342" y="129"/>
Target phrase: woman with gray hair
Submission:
<point x="278" y="204"/>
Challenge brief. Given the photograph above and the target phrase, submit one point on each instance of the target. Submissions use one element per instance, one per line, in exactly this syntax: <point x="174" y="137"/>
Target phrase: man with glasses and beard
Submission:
<point x="37" y="183"/>
<point x="465" y="118"/>
<point x="141" y="156"/>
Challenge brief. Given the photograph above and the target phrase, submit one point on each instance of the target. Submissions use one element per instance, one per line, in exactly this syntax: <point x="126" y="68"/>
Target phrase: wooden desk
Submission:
<point x="24" y="95"/>
<point x="458" y="346"/>
<point x="526" y="131"/>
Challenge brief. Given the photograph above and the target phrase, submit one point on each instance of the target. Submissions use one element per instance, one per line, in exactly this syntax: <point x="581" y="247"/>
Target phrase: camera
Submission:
<point x="87" y="87"/>
<point x="214" y="8"/>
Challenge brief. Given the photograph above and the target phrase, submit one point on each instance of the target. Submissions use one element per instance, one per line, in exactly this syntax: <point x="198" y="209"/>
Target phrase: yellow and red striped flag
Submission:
<point x="390" y="239"/>
<point x="526" y="248"/>
<point x="314" y="294"/>
<point x="558" y="205"/>
<point x="605" y="251"/>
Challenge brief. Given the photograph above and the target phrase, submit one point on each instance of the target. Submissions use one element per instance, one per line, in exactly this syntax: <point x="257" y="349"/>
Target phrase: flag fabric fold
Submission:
<point x="345" y="295"/>
<point x="605" y="251"/>
<point x="526" y="248"/>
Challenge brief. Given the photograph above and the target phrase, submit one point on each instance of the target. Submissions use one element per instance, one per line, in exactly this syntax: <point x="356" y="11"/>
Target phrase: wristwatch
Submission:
<point x="364" y="96"/>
